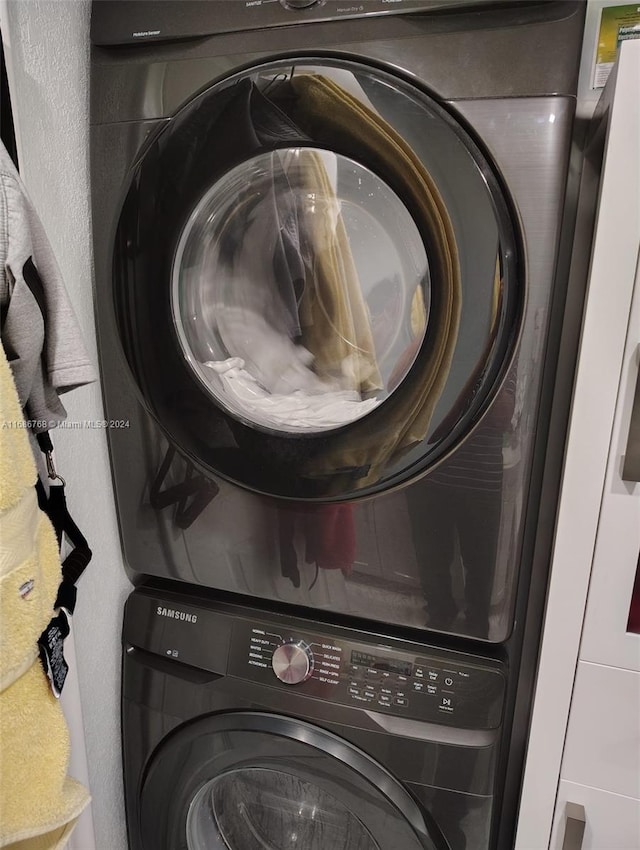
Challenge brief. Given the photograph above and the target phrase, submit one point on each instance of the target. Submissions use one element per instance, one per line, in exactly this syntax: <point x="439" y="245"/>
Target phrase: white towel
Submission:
<point x="299" y="410"/>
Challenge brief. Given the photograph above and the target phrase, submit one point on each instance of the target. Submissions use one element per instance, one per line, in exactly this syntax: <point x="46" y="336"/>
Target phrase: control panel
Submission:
<point x="134" y="21"/>
<point x="441" y="687"/>
<point x="344" y="666"/>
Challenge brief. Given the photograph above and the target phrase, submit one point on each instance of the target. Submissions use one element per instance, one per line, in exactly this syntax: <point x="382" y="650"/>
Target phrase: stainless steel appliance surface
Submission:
<point x="325" y="252"/>
<point x="332" y="255"/>
<point x="246" y="729"/>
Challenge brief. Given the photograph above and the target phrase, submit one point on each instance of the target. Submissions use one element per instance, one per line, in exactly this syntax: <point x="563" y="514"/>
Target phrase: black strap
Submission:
<point x="191" y="496"/>
<point x="44" y="441"/>
<point x="55" y="507"/>
<point x="54" y="504"/>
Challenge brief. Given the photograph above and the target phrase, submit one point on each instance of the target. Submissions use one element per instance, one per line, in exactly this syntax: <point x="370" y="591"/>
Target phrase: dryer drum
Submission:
<point x="310" y="305"/>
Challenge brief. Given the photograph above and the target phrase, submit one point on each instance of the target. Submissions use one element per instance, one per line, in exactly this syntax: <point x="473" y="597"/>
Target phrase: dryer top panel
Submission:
<point x="470" y="52"/>
<point x="130" y="21"/>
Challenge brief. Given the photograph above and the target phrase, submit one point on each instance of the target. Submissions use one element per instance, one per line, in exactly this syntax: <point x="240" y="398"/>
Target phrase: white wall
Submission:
<point x="47" y="52"/>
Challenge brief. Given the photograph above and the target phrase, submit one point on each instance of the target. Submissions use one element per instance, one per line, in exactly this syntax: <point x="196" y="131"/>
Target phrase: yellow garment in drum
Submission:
<point x="39" y="804"/>
<point x="335" y="118"/>
<point x="335" y="322"/>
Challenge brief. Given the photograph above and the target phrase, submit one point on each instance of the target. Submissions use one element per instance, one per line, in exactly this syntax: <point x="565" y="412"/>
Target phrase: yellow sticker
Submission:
<point x="617" y="24"/>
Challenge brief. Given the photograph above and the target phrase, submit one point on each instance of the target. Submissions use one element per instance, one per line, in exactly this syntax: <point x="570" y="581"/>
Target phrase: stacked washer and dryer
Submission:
<point x="329" y="280"/>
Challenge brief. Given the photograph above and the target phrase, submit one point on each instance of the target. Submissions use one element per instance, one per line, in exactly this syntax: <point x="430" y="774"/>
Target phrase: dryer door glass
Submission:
<point x="316" y="280"/>
<point x="258" y="781"/>
<point x="300" y="290"/>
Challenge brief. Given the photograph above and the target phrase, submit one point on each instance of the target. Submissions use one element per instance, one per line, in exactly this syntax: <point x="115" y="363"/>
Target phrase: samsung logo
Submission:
<point x="176" y="615"/>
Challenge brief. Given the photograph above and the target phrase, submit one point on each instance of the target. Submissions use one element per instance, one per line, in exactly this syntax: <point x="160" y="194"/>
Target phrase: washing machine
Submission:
<point x="326" y="244"/>
<point x="246" y="730"/>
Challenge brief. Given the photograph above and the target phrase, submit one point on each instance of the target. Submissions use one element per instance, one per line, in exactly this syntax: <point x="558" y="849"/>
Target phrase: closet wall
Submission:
<point x="47" y="54"/>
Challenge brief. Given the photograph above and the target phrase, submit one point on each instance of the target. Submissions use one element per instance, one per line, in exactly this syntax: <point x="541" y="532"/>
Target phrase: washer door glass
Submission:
<point x="259" y="809"/>
<point x="260" y="781"/>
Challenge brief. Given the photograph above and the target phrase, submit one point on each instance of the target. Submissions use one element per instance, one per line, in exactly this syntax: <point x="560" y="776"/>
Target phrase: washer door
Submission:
<point x="315" y="280"/>
<point x="250" y="781"/>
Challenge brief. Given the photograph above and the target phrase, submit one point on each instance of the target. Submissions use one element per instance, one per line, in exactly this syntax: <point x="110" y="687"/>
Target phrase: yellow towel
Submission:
<point x="39" y="804"/>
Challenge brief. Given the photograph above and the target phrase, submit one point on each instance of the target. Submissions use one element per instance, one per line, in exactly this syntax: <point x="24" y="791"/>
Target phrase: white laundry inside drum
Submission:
<point x="260" y="809"/>
<point x="296" y="409"/>
<point x="300" y="291"/>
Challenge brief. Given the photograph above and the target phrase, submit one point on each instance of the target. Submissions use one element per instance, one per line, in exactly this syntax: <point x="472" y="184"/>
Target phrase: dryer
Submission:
<point x="247" y="729"/>
<point x="326" y="241"/>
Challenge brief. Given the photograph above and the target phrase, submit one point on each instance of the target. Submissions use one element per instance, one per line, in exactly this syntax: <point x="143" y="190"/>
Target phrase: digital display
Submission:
<point x="387" y="665"/>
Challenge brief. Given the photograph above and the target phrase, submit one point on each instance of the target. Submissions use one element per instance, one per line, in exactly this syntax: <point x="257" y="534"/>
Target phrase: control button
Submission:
<point x="400" y="694"/>
<point x="386" y="701"/>
<point x="448" y="681"/>
<point x="433" y="675"/>
<point x="354" y="691"/>
<point x="418" y="686"/>
<point x="445" y="704"/>
<point x="386" y="691"/>
<point x="401" y="701"/>
<point x="432" y="689"/>
<point x="327" y="681"/>
<point x="419" y="672"/>
<point x="292" y="662"/>
<point x="322" y="668"/>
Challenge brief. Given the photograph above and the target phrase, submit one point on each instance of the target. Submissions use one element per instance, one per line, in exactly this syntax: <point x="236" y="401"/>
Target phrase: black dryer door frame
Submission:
<point x="444" y="389"/>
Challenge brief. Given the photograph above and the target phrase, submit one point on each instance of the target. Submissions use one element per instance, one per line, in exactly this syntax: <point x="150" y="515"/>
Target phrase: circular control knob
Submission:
<point x="292" y="662"/>
<point x="298" y="4"/>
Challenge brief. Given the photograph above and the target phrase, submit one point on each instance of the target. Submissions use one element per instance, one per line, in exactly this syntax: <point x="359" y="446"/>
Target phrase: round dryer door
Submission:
<point x="250" y="781"/>
<point x="316" y="280"/>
